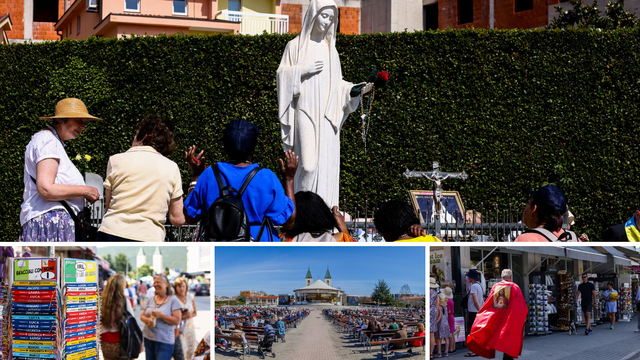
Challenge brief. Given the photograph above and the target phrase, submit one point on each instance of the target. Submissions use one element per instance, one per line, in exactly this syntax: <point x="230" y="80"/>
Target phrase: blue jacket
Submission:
<point x="263" y="197"/>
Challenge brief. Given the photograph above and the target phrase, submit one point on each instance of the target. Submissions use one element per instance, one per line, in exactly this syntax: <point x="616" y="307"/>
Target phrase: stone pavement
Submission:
<point x="620" y="344"/>
<point x="316" y="339"/>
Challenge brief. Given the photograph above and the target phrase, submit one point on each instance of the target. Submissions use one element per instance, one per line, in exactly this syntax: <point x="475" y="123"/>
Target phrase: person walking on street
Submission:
<point x="500" y="322"/>
<point x="475" y="299"/>
<point x="610" y="307"/>
<point x="434" y="313"/>
<point x="588" y="293"/>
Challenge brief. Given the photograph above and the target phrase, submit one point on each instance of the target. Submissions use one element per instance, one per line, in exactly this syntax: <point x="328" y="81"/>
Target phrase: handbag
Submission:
<point x="83" y="228"/>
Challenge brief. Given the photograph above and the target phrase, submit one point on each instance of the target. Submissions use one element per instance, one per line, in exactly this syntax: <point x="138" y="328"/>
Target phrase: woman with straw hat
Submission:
<point x="50" y="178"/>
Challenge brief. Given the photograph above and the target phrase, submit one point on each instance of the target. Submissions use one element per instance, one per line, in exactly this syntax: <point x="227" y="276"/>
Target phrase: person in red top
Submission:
<point x="499" y="324"/>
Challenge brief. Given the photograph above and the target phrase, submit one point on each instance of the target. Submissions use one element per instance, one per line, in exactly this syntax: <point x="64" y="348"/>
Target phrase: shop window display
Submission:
<point x="538" y="310"/>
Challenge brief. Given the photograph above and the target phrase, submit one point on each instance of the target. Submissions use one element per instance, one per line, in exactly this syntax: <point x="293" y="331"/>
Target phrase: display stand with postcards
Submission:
<point x="538" y="310"/>
<point x="34" y="316"/>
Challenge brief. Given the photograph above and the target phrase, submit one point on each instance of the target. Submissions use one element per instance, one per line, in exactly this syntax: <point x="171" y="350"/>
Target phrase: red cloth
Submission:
<point x="110" y="337"/>
<point x="499" y="324"/>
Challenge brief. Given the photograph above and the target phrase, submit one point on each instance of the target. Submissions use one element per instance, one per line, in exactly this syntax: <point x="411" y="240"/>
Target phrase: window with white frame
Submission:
<point x="234" y="5"/>
<point x="179" y="7"/>
<point x="132" y="5"/>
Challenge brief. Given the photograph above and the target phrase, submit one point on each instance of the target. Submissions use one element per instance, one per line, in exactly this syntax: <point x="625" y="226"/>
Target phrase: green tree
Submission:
<point x="145" y="270"/>
<point x="120" y="263"/>
<point x="241" y="299"/>
<point x="585" y="16"/>
<point x="381" y="293"/>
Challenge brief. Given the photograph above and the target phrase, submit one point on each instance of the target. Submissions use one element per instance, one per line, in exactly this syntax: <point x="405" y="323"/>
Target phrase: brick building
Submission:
<point x="32" y="19"/>
<point x="349" y="18"/>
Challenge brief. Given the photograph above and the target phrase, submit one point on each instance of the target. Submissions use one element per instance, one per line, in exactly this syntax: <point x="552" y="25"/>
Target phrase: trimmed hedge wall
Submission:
<point x="512" y="108"/>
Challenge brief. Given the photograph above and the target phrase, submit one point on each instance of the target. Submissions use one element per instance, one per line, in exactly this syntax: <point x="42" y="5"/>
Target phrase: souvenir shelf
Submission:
<point x="566" y="297"/>
<point x="625" y="307"/>
<point x="539" y="308"/>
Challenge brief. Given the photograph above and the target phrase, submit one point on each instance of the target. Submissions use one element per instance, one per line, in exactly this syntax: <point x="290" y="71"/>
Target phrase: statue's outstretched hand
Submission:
<point x="367" y="88"/>
<point x="312" y="68"/>
<point x="289" y="168"/>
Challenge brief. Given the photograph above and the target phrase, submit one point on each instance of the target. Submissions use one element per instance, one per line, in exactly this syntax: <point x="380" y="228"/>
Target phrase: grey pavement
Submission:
<point x="620" y="343"/>
<point x="316" y="339"/>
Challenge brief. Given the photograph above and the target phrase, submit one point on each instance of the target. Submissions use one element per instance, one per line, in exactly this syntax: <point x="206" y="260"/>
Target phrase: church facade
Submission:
<point x="319" y="292"/>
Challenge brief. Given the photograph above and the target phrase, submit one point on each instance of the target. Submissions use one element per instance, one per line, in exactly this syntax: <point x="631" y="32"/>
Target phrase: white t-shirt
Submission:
<point x="476" y="288"/>
<point x="45" y="145"/>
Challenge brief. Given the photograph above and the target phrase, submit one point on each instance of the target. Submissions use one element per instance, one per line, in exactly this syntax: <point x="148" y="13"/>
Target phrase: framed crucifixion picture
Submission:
<point x="452" y="207"/>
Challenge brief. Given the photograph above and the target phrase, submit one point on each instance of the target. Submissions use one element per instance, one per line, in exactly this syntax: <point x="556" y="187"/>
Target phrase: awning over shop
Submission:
<point x="544" y="250"/>
<point x="585" y="253"/>
<point x="618" y="257"/>
<point x="636" y="268"/>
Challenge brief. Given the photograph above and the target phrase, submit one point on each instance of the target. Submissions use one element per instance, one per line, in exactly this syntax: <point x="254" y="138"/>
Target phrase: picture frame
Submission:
<point x="422" y="201"/>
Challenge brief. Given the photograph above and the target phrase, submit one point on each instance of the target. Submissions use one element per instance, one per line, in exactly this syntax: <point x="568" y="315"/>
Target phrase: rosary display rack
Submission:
<point x="625" y="307"/>
<point x="34" y="315"/>
<point x="566" y="296"/>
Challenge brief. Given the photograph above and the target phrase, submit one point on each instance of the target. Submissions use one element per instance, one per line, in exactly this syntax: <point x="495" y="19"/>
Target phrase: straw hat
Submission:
<point x="442" y="299"/>
<point x="70" y="108"/>
<point x="447" y="292"/>
<point x="432" y="283"/>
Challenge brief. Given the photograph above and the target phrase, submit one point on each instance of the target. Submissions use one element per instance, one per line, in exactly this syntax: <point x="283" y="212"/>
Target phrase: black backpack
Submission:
<point x="226" y="219"/>
<point x="130" y="335"/>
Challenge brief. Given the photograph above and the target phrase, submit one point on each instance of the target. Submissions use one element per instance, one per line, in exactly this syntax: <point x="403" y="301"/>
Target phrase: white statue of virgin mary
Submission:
<point x="314" y="101"/>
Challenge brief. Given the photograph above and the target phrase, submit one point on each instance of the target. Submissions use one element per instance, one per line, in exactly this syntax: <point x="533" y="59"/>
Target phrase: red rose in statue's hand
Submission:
<point x="382" y="75"/>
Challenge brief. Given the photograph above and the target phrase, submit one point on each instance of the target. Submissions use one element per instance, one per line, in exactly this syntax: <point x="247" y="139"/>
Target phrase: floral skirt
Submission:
<point x="52" y="226"/>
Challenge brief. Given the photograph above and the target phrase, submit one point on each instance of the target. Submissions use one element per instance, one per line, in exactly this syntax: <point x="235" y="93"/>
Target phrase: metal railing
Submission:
<point x="257" y="23"/>
<point x="497" y="225"/>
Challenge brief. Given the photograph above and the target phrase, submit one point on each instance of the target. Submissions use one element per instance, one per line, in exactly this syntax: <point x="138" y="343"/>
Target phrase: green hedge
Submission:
<point x="512" y="108"/>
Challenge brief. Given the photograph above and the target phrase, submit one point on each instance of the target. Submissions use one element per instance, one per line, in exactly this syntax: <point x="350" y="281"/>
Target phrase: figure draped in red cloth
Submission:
<point x="499" y="324"/>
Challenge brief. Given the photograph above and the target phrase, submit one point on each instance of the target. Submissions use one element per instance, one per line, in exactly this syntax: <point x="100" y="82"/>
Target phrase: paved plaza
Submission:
<point x="621" y="343"/>
<point x="316" y="339"/>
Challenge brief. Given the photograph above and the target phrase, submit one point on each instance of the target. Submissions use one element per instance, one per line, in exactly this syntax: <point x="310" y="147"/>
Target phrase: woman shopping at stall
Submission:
<point x="113" y="304"/>
<point x="610" y="307"/>
<point x="162" y="315"/>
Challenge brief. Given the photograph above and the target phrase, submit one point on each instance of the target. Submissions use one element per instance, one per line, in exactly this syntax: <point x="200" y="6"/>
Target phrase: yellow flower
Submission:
<point x="87" y="157"/>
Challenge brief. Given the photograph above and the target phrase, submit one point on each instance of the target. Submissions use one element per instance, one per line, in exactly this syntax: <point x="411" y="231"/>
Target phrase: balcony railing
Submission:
<point x="257" y="23"/>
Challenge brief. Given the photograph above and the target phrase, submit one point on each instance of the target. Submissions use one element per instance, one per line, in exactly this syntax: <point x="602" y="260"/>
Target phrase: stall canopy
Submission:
<point x="585" y="253"/>
<point x="618" y="257"/>
<point x="544" y="250"/>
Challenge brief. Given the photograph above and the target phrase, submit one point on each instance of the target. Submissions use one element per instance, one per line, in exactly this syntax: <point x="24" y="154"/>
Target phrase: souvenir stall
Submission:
<point x="50" y="309"/>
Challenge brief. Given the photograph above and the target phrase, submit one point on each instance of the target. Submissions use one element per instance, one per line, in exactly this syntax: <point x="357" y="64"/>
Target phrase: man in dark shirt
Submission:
<point x="588" y="292"/>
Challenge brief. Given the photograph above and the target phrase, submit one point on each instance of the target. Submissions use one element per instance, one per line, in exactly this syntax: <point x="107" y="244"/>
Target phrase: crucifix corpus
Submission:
<point x="437" y="177"/>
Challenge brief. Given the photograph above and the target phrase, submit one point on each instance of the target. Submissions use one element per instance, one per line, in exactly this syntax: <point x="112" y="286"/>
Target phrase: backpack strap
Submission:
<point x="568" y="236"/>
<point x="248" y="180"/>
<point x="546" y="233"/>
<point x="222" y="189"/>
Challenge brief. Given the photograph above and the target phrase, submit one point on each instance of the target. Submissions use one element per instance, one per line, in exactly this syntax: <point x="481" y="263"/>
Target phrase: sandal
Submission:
<point x="446" y="354"/>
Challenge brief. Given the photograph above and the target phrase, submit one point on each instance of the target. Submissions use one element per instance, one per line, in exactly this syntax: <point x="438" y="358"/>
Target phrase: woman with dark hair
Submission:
<point x="113" y="304"/>
<point x="543" y="216"/>
<point x="396" y="221"/>
<point x="315" y="221"/>
<point x="264" y="197"/>
<point x="142" y="185"/>
<point x="53" y="186"/>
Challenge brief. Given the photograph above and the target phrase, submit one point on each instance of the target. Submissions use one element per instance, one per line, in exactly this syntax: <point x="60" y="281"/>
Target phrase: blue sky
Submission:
<point x="281" y="269"/>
